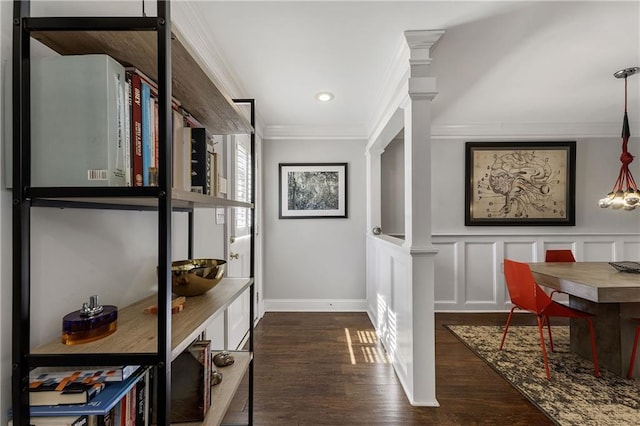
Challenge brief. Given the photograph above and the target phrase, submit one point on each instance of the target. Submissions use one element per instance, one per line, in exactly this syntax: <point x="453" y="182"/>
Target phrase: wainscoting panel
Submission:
<point x="480" y="274"/>
<point x="593" y="251"/>
<point x="446" y="273"/>
<point x="469" y="268"/>
<point x="631" y="251"/>
<point x="522" y="251"/>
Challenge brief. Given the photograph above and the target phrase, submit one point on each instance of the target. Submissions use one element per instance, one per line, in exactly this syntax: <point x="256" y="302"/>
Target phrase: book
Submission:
<point x="190" y="383"/>
<point x="64" y="391"/>
<point x="58" y="421"/>
<point x="108" y="419"/>
<point x="99" y="405"/>
<point x="147" y="135"/>
<point x="199" y="160"/>
<point x="76" y="124"/>
<point x="156" y="142"/>
<point x="95" y="373"/>
<point x="186" y="154"/>
<point x="136" y="129"/>
<point x="179" y="161"/>
<point x="175" y="103"/>
<point x="126" y="116"/>
<point x="141" y="401"/>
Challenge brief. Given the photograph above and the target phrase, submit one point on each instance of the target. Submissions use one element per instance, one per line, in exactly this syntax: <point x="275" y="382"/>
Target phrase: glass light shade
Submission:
<point x="606" y="201"/>
<point x="631" y="197"/>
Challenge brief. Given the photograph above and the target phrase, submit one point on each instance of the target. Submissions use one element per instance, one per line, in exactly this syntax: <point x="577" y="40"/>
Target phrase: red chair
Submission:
<point x="633" y="352"/>
<point x="525" y="294"/>
<point x="559" y="256"/>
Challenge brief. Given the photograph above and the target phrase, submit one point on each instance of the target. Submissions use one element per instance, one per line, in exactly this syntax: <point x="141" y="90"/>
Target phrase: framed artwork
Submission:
<point x="312" y="190"/>
<point x="520" y="183"/>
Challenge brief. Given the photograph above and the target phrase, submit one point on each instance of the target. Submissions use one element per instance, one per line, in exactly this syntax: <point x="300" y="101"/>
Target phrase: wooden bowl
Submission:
<point x="193" y="277"/>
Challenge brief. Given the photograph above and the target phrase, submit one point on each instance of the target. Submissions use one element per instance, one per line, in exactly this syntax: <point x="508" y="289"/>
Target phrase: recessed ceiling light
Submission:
<point x="324" y="96"/>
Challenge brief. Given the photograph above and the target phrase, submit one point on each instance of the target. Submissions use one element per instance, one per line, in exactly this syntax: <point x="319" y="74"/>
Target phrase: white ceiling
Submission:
<point x="497" y="62"/>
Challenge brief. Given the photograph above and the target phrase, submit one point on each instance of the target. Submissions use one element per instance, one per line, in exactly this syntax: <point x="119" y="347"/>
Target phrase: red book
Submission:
<point x="136" y="129"/>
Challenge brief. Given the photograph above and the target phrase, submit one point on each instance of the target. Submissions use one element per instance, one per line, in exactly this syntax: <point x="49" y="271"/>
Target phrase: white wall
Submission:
<point x="597" y="167"/>
<point x="468" y="266"/>
<point x="314" y="264"/>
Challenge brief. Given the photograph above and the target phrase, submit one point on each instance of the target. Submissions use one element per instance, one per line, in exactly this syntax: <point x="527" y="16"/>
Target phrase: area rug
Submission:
<point x="573" y="396"/>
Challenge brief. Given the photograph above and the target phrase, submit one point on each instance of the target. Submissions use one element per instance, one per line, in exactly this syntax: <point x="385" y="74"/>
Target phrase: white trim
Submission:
<point x="315" y="305"/>
<point x="448" y="131"/>
<point x="396" y="76"/>
<point x="205" y="49"/>
<point x="531" y="130"/>
<point x="525" y="236"/>
<point x="194" y="36"/>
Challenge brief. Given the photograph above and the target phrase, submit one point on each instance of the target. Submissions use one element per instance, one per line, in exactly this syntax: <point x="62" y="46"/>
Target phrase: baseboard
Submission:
<point x="315" y="305"/>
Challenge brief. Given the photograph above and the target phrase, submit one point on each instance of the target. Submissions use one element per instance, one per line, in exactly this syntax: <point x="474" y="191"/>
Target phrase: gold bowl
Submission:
<point x="193" y="277"/>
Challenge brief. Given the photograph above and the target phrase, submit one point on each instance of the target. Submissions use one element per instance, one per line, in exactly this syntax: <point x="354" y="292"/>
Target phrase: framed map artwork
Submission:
<point x="312" y="190"/>
<point x="520" y="183"/>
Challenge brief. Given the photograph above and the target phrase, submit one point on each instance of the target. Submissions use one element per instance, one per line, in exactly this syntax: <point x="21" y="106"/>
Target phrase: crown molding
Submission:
<point x="194" y="35"/>
<point x="205" y="49"/>
<point x="395" y="79"/>
<point x="456" y="131"/>
<point x="530" y="130"/>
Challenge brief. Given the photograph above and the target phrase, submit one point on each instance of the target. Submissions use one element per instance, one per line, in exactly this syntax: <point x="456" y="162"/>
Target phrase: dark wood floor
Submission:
<point x="305" y="375"/>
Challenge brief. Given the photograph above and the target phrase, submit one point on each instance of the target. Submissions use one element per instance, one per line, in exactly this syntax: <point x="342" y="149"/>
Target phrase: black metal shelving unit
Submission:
<point x="25" y="197"/>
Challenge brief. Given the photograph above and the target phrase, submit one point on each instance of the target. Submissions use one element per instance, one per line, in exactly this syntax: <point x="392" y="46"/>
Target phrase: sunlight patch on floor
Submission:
<point x="366" y="346"/>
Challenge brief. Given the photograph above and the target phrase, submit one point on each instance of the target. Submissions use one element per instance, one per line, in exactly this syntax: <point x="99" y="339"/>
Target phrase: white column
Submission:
<point x="422" y="90"/>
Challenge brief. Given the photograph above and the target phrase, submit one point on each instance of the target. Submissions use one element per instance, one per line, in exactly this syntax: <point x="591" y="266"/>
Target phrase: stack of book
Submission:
<point x="95" y="123"/>
<point x="121" y="401"/>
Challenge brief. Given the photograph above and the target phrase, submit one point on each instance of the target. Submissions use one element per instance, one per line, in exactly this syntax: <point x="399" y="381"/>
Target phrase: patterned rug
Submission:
<point x="573" y="396"/>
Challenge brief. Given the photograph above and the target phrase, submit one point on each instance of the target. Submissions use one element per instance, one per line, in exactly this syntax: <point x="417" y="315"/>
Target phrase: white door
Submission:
<point x="239" y="235"/>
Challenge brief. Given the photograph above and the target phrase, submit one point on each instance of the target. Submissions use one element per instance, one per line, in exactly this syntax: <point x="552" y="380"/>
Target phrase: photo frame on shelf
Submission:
<point x="520" y="183"/>
<point x="313" y="190"/>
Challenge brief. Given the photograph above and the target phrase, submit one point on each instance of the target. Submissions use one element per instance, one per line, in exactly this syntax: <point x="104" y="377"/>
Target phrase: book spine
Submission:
<point x="198" y="160"/>
<point x="178" y="151"/>
<point x="140" y="403"/>
<point x="186" y="154"/>
<point x="147" y="153"/>
<point x="107" y="419"/>
<point x="153" y="163"/>
<point x="127" y="131"/>
<point x="136" y="129"/>
<point x="156" y="138"/>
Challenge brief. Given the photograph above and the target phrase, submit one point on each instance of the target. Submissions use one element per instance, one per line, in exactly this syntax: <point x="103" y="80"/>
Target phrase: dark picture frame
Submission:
<point x="520" y="183"/>
<point x="312" y="190"/>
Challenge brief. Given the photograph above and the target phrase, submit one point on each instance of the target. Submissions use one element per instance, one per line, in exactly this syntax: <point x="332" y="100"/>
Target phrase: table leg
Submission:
<point x="614" y="329"/>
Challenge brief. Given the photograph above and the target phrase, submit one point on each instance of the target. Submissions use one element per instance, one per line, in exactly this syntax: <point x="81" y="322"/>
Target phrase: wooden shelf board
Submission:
<point x="223" y="393"/>
<point x="191" y="85"/>
<point x="136" y="331"/>
<point x="180" y="200"/>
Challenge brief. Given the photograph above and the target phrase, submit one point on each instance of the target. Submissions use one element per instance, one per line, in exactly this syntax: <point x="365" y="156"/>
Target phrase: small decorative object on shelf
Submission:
<point x="223" y="359"/>
<point x="194" y="277"/>
<point x="177" y="305"/>
<point x="216" y="377"/>
<point x="92" y="322"/>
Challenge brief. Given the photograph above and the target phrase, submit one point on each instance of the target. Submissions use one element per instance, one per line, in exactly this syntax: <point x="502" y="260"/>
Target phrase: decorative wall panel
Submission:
<point x="469" y="268"/>
<point x="480" y="276"/>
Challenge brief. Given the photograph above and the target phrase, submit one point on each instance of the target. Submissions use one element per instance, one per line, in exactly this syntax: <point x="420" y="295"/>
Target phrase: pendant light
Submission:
<point x="625" y="194"/>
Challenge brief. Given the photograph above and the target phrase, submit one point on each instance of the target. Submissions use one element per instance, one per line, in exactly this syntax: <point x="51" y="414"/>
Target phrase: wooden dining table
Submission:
<point x="613" y="298"/>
